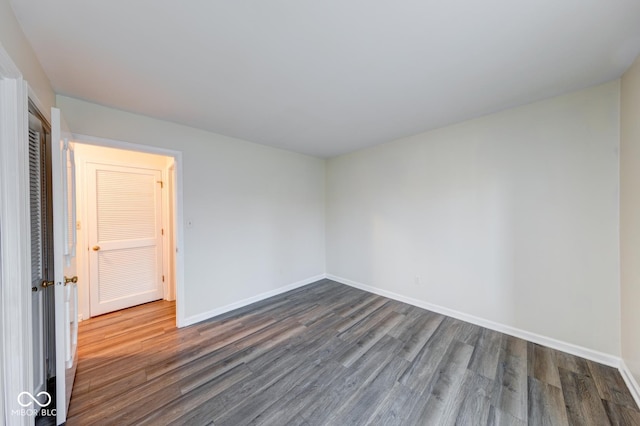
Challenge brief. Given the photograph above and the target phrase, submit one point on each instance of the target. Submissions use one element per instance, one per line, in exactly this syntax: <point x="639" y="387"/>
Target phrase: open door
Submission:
<point x="66" y="292"/>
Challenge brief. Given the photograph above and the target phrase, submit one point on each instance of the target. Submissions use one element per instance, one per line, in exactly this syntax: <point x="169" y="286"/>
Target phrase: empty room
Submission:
<point x="320" y="213"/>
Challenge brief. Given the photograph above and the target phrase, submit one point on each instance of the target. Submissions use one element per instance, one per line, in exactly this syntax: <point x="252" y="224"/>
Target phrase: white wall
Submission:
<point x="630" y="217"/>
<point x="16" y="44"/>
<point x="512" y="218"/>
<point x="257" y="212"/>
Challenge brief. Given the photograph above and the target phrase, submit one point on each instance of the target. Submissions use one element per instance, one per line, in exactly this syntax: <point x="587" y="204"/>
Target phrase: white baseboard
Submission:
<point x="224" y="309"/>
<point x="580" y="351"/>
<point x="631" y="382"/>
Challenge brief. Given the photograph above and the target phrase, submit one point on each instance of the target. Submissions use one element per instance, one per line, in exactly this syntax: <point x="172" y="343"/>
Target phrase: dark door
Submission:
<point x="41" y="251"/>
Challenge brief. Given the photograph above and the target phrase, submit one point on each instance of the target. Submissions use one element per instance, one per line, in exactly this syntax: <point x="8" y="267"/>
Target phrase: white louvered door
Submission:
<point x="125" y="244"/>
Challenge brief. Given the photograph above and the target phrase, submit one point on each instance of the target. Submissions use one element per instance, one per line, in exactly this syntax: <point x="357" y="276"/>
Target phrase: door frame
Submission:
<point x="15" y="255"/>
<point x="47" y="298"/>
<point x="177" y="204"/>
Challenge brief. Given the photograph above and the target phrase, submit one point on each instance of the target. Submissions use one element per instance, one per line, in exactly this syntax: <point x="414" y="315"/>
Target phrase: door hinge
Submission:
<point x="161" y="184"/>
<point x="163" y="278"/>
<point x="162" y="231"/>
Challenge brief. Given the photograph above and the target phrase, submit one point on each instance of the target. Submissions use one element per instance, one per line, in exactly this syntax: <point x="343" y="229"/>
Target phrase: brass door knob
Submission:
<point x="96" y="248"/>
<point x="46" y="284"/>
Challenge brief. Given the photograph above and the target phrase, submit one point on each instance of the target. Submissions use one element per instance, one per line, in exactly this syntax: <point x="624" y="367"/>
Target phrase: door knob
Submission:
<point x="96" y="248"/>
<point x="46" y="284"/>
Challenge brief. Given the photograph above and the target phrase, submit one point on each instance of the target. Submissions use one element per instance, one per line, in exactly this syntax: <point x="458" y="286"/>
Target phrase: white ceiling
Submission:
<point x="332" y="76"/>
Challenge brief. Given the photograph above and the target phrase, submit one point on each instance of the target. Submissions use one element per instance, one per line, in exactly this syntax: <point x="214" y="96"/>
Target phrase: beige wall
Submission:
<point x="512" y="218"/>
<point x="17" y="46"/>
<point x="630" y="216"/>
<point x="257" y="212"/>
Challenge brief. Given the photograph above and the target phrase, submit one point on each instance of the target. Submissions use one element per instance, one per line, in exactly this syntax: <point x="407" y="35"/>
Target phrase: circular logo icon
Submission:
<point x="30" y="399"/>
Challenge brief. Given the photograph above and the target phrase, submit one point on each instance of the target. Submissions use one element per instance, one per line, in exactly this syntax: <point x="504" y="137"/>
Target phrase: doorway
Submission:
<point x="125" y="203"/>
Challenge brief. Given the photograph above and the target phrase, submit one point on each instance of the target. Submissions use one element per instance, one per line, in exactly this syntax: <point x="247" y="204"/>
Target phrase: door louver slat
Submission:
<point x="35" y="203"/>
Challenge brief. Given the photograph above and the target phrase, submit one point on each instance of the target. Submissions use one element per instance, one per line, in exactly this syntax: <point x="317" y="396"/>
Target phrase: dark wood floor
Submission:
<point x="330" y="354"/>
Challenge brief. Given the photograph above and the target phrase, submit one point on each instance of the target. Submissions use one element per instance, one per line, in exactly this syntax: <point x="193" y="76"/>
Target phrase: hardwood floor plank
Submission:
<point x="206" y="370"/>
<point x="510" y="393"/>
<point x="253" y="407"/>
<point x="475" y="394"/>
<point x="172" y="378"/>
<point x="364" y="403"/>
<point x="362" y="313"/>
<point x="317" y="312"/>
<point x="400" y="307"/>
<point x="108" y="345"/>
<point x="366" y="342"/>
<point x="320" y="410"/>
<point x="189" y="401"/>
<point x="571" y="363"/>
<point x="371" y="321"/>
<point x="541" y="364"/>
<point x="285" y="410"/>
<point x="610" y="385"/>
<point x="546" y="404"/>
<point x="232" y="327"/>
<point x="484" y="360"/>
<point x="299" y="344"/>
<point x="468" y="333"/>
<point x="273" y="333"/>
<point x="211" y="369"/>
<point x="416" y="336"/>
<point x="164" y="363"/>
<point x="403" y="331"/>
<point x="424" y="367"/>
<point x="621" y="415"/>
<point x="497" y="417"/>
<point x="396" y="406"/>
<point x="87" y="399"/>
<point x="441" y="405"/>
<point x="355" y="304"/>
<point x="583" y="403"/>
<point x="239" y="393"/>
<point x="107" y="412"/>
